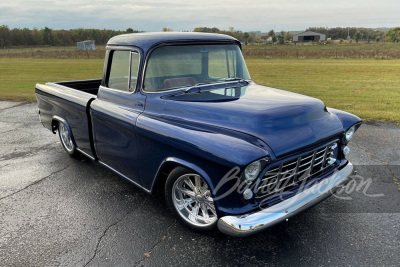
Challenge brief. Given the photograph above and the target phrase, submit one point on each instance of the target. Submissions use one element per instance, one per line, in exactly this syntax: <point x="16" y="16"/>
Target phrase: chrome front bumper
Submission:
<point x="252" y="223"/>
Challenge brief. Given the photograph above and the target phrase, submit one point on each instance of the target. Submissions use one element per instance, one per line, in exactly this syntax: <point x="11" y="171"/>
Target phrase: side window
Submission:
<point x="119" y="71"/>
<point x="134" y="69"/>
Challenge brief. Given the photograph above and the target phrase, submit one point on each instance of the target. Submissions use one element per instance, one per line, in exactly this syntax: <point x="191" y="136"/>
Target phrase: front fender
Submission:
<point x="212" y="153"/>
<point x="183" y="163"/>
<point x="346" y="118"/>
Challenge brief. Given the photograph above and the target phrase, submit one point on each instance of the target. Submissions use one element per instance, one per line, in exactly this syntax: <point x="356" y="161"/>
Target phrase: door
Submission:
<point x="114" y="114"/>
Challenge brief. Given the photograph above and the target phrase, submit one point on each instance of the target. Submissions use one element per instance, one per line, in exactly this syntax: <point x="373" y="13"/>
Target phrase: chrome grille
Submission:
<point x="296" y="171"/>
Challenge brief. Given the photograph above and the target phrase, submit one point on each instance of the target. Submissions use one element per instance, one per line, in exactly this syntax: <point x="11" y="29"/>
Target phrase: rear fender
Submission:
<point x="54" y="127"/>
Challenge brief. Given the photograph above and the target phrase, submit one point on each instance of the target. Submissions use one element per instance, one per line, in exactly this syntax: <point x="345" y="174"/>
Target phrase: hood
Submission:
<point x="285" y="121"/>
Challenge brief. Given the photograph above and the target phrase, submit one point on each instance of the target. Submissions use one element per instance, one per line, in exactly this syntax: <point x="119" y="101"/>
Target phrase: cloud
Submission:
<point x="185" y="15"/>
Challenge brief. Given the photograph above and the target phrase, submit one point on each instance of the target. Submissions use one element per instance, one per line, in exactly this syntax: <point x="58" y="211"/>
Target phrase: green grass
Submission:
<point x="368" y="88"/>
<point x="19" y="76"/>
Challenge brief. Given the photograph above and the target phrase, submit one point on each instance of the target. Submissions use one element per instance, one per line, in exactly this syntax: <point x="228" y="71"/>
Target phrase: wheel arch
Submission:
<point x="171" y="163"/>
<point x="54" y="127"/>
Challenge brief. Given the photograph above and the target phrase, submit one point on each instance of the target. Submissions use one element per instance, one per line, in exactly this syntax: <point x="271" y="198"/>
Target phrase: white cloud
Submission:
<point x="185" y="15"/>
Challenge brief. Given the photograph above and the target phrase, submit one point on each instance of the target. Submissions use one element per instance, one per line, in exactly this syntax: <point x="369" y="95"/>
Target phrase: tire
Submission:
<point x="66" y="140"/>
<point x="188" y="195"/>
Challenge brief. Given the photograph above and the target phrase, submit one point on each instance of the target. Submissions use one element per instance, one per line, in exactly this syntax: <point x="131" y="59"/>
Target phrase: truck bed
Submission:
<point x="69" y="102"/>
<point x="87" y="86"/>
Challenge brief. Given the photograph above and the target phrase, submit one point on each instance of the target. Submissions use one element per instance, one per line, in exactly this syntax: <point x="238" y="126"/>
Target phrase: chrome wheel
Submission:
<point x="192" y="200"/>
<point x="65" y="137"/>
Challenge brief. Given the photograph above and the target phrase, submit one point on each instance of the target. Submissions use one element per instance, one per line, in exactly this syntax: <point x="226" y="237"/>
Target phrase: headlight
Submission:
<point x="252" y="171"/>
<point x="349" y="134"/>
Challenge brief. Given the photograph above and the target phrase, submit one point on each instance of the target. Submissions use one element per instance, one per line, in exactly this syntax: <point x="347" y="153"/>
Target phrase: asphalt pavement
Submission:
<point x="59" y="211"/>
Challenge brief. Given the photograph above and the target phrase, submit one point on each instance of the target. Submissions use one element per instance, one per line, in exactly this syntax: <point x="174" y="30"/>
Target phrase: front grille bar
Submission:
<point x="310" y="164"/>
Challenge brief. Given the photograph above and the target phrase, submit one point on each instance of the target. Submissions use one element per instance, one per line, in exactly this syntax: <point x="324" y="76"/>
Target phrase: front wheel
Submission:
<point x="189" y="196"/>
<point x="66" y="140"/>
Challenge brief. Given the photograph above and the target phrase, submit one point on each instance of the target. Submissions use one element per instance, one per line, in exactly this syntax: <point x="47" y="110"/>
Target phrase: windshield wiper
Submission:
<point x="234" y="79"/>
<point x="199" y="87"/>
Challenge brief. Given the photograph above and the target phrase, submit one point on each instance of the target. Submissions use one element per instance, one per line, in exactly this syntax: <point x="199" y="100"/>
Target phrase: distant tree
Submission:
<point x="232" y="32"/>
<point x="129" y="30"/>
<point x="271" y="33"/>
<point x="357" y="36"/>
<point x="4" y="35"/>
<point x="253" y="37"/>
<point x="246" y="36"/>
<point x="393" y="34"/>
<point x="281" y="37"/>
<point x="274" y="39"/>
<point x="368" y="38"/>
<point x="206" y="29"/>
<point x="47" y="36"/>
<point x="288" y="36"/>
<point x="377" y="39"/>
<point x="165" y="29"/>
<point x="259" y="40"/>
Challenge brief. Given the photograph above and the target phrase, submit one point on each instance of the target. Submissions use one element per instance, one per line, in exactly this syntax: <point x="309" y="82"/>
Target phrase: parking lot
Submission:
<point x="59" y="211"/>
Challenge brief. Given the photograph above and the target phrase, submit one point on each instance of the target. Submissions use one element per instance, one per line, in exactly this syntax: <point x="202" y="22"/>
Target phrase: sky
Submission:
<point x="153" y="15"/>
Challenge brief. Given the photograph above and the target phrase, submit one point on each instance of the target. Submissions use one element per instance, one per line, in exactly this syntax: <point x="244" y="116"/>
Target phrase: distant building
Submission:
<point x="86" y="45"/>
<point x="309" y="37"/>
<point x="266" y="39"/>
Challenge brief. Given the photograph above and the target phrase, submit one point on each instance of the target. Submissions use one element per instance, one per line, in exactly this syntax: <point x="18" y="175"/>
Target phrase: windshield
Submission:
<point x="171" y="67"/>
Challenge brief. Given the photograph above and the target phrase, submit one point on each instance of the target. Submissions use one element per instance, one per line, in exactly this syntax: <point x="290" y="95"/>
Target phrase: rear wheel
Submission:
<point x="189" y="196"/>
<point x="66" y="139"/>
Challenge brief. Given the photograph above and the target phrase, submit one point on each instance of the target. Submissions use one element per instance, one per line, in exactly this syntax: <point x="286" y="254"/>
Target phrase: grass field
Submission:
<point x="368" y="88"/>
<point x="19" y="76"/>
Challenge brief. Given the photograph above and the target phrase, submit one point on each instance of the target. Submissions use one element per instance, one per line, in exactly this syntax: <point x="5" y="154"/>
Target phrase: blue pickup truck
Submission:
<point x="178" y="113"/>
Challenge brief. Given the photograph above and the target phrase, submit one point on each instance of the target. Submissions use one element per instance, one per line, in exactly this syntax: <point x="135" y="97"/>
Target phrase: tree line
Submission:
<point x="46" y="36"/>
<point x="37" y="37"/>
<point x="338" y="33"/>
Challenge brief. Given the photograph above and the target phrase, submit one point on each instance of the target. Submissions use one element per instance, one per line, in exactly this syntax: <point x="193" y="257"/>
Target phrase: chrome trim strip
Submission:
<point x="248" y="224"/>
<point x="125" y="177"/>
<point x="325" y="154"/>
<point x="86" y="154"/>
